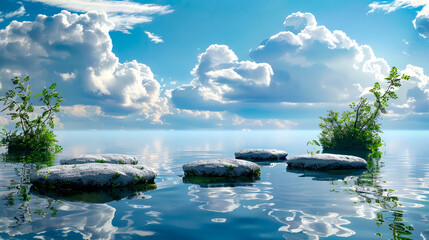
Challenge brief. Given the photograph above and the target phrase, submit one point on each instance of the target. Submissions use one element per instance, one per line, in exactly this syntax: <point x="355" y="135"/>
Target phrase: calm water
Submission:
<point x="389" y="201"/>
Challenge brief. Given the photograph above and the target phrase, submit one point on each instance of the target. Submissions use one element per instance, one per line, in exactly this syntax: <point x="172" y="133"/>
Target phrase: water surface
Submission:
<point x="387" y="201"/>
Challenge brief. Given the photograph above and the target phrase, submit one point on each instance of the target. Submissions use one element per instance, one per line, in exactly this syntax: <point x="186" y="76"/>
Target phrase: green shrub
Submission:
<point x="358" y="128"/>
<point x="32" y="133"/>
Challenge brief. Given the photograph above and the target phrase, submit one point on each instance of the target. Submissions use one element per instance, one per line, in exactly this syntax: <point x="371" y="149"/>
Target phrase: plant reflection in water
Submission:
<point x="19" y="195"/>
<point x="369" y="186"/>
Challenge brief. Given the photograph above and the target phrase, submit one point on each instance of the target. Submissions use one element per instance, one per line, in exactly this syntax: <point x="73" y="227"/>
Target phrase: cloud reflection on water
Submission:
<point x="314" y="226"/>
<point x="90" y="221"/>
<point x="226" y="199"/>
<point x="294" y="218"/>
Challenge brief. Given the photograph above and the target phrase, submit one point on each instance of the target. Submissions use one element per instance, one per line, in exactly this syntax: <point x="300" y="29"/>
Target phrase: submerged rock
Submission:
<point x="261" y="154"/>
<point x="92" y="175"/>
<point x="326" y="161"/>
<point x="230" y="168"/>
<point x="100" y="158"/>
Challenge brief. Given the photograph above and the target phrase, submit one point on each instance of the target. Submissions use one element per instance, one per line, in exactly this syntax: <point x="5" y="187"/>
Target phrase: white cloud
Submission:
<point x="246" y="123"/>
<point x="78" y="49"/>
<point x="310" y="66"/>
<point x="154" y="38"/>
<point x="282" y="123"/>
<point x="417" y="93"/>
<point x="396" y="4"/>
<point x="221" y="78"/>
<point x="67" y="76"/>
<point x="18" y="13"/>
<point x="421" y="22"/>
<point x="317" y="64"/>
<point x="3" y="121"/>
<point x="413" y="101"/>
<point x="299" y="74"/>
<point x="296" y="22"/>
<point x="125" y="14"/>
<point x="417" y="76"/>
<point x="84" y="111"/>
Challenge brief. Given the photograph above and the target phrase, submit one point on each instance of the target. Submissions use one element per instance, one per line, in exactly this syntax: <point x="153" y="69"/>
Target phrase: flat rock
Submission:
<point x="100" y="158"/>
<point x="92" y="175"/>
<point x="326" y="161"/>
<point x="222" y="168"/>
<point x="261" y="154"/>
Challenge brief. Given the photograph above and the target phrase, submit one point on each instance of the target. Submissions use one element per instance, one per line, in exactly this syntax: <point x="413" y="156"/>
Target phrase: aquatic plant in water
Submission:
<point x="32" y="131"/>
<point x="358" y="128"/>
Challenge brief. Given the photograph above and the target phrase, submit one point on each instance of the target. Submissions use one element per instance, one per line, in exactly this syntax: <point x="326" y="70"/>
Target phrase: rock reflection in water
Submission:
<point x="38" y="214"/>
<point x="227" y="197"/>
<point x="103" y="195"/>
<point x="327" y="175"/>
<point x="220" y="181"/>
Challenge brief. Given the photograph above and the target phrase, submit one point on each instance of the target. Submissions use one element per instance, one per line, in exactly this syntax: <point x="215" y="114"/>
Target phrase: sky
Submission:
<point x="224" y="64"/>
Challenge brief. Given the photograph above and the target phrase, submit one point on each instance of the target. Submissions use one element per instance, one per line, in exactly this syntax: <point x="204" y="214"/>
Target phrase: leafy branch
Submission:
<point x="358" y="129"/>
<point x="35" y="133"/>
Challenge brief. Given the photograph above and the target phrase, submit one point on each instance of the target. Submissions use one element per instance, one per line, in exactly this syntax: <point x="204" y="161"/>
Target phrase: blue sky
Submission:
<point x="216" y="64"/>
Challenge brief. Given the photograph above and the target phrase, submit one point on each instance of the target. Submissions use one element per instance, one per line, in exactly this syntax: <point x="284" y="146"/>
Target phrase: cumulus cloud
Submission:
<point x="77" y="50"/>
<point x="154" y="38"/>
<point x="421" y="22"/>
<point x="417" y="94"/>
<point x="311" y="65"/>
<point x="125" y="14"/>
<point x="221" y="79"/>
<point x="317" y="64"/>
<point x="296" y="22"/>
<point x="297" y="73"/>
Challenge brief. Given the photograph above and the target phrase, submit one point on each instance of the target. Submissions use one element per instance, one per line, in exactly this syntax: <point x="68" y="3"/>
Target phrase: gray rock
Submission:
<point x="92" y="175"/>
<point x="326" y="161"/>
<point x="100" y="158"/>
<point x="222" y="168"/>
<point x="261" y="154"/>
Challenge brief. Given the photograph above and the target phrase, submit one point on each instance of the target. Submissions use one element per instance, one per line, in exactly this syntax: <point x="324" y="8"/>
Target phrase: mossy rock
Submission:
<point x="100" y="158"/>
<point x="260" y="155"/>
<point x="92" y="175"/>
<point x="229" y="168"/>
